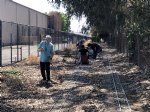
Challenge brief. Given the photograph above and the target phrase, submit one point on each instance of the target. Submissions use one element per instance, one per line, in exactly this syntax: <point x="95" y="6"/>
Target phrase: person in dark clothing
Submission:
<point x="90" y="52"/>
<point x="96" y="49"/>
<point x="83" y="55"/>
<point x="80" y="43"/>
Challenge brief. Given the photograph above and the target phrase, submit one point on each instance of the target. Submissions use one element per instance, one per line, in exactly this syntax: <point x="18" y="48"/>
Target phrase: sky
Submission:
<point x="44" y="7"/>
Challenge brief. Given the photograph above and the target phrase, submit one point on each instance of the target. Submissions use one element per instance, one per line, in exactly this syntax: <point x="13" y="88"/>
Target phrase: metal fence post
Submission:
<point x="0" y="43"/>
<point x="29" y="40"/>
<point x="58" y="40"/>
<point x="148" y="51"/>
<point x="11" y="47"/>
<point x="138" y="50"/>
<point x="17" y="42"/>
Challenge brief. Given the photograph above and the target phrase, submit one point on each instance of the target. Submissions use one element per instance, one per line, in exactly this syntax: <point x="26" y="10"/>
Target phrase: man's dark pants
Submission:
<point x="45" y="66"/>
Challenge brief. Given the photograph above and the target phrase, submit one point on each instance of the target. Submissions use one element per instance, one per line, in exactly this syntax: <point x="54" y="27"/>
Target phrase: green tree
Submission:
<point x="98" y="13"/>
<point x="65" y="22"/>
<point x="113" y="16"/>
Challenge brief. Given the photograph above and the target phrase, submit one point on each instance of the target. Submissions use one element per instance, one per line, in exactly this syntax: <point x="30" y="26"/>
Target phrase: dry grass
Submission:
<point x="87" y="87"/>
<point x="57" y="58"/>
<point x="58" y="72"/>
<point x="32" y="60"/>
<point x="71" y="46"/>
<point x="87" y="42"/>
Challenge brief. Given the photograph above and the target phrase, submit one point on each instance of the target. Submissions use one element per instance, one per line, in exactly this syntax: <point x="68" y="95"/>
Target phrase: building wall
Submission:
<point x="11" y="13"/>
<point x="22" y="15"/>
<point x="33" y="19"/>
<point x="57" y="20"/>
<point x="2" y="9"/>
<point x="14" y="12"/>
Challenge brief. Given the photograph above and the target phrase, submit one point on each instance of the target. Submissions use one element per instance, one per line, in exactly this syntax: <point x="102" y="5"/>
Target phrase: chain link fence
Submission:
<point x="137" y="49"/>
<point x="20" y="41"/>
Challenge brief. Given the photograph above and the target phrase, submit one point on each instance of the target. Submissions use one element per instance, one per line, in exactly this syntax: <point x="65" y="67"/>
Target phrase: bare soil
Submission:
<point x="75" y="88"/>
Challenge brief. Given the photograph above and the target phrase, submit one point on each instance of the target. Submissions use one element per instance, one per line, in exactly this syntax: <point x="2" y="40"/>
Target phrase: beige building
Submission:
<point x="11" y="11"/>
<point x="55" y="20"/>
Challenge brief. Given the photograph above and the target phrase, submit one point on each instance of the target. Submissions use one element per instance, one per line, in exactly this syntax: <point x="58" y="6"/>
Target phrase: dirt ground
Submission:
<point x="107" y="84"/>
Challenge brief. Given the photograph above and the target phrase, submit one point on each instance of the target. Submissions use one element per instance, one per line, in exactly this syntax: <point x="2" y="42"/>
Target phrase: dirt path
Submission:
<point x="108" y="84"/>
